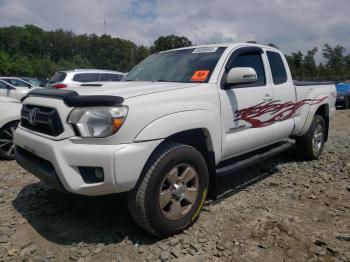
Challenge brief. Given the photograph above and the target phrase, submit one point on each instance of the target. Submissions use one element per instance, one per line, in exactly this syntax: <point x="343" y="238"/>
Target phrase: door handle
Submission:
<point x="267" y="98"/>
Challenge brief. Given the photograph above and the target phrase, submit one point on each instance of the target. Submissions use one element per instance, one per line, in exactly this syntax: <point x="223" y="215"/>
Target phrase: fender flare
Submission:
<point x="8" y="121"/>
<point x="174" y="123"/>
<point x="312" y="111"/>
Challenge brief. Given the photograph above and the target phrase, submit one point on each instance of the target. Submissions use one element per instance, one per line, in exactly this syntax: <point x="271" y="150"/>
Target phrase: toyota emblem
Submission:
<point x="32" y="116"/>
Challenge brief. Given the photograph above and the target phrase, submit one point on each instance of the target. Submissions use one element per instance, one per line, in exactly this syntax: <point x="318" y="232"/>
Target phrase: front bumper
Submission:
<point x="58" y="162"/>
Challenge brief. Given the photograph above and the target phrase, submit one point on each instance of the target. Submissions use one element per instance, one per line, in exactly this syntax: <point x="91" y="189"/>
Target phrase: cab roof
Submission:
<point x="229" y="45"/>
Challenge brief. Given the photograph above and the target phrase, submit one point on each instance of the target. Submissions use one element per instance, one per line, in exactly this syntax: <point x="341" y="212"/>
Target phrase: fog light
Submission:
<point x="99" y="173"/>
<point x="92" y="175"/>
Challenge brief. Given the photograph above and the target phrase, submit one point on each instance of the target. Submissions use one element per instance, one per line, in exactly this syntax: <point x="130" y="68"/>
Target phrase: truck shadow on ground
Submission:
<point x="69" y="219"/>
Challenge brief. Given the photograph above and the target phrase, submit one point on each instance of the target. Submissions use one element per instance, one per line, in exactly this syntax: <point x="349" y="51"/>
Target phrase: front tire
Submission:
<point x="171" y="191"/>
<point x="6" y="141"/>
<point x="310" y="145"/>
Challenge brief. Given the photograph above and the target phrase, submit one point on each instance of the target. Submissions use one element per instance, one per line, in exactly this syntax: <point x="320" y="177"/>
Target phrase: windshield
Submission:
<point x="34" y="81"/>
<point x="186" y="66"/>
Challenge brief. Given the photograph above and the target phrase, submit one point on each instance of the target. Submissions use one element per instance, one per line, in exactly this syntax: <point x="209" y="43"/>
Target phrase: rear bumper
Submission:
<point x="340" y="102"/>
<point x="58" y="162"/>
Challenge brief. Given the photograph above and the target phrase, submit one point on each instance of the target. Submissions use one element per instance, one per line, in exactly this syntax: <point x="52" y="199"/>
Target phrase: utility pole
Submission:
<point x="104" y="23"/>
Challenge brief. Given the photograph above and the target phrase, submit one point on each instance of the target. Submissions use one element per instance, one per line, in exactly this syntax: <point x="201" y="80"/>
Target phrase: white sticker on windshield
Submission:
<point x="204" y="50"/>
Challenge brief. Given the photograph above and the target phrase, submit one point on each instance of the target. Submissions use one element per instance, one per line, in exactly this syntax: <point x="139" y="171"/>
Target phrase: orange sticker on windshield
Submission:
<point x="200" y="76"/>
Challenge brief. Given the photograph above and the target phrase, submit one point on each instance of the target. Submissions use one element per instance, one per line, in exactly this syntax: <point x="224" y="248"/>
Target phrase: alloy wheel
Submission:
<point x="179" y="191"/>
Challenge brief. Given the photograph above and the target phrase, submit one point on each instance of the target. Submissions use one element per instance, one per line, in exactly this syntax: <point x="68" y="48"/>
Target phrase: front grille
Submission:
<point x="41" y="119"/>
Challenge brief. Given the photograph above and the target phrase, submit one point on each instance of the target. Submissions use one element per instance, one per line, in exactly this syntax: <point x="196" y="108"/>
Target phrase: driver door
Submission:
<point x="4" y="89"/>
<point x="244" y="107"/>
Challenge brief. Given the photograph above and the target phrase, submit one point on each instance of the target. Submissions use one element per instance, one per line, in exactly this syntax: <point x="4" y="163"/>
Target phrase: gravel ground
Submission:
<point x="299" y="211"/>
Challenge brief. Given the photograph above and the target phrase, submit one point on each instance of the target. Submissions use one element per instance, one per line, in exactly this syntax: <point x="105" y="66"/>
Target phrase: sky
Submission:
<point x="291" y="25"/>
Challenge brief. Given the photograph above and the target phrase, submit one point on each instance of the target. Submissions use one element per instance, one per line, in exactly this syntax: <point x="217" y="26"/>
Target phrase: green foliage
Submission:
<point x="31" y="51"/>
<point x="164" y="43"/>
<point x="335" y="65"/>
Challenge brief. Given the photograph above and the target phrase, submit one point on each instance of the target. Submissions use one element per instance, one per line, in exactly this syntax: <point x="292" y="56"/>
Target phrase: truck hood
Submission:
<point x="129" y="89"/>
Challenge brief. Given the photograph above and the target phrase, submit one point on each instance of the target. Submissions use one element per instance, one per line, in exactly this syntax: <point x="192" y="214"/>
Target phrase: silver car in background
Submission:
<point x="77" y="77"/>
<point x="14" y="87"/>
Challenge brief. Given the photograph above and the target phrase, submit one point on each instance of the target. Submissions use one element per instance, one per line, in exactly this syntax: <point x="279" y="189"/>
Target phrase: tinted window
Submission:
<point x="3" y="85"/>
<point x="115" y="77"/>
<point x="254" y="61"/>
<point x="103" y="77"/>
<point x="110" y="77"/>
<point x="86" y="77"/>
<point x="279" y="74"/>
<point x="34" y="81"/>
<point x="186" y="66"/>
<point x="58" y="77"/>
<point x="16" y="82"/>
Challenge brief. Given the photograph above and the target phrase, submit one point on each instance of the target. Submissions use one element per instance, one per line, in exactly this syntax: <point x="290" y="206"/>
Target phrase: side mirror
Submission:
<point x="241" y="75"/>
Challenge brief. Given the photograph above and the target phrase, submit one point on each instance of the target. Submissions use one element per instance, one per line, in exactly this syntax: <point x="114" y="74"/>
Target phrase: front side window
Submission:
<point x="86" y="77"/>
<point x="252" y="60"/>
<point x="115" y="77"/>
<point x="185" y="66"/>
<point x="3" y="85"/>
<point x="110" y="77"/>
<point x="278" y="70"/>
<point x="16" y="82"/>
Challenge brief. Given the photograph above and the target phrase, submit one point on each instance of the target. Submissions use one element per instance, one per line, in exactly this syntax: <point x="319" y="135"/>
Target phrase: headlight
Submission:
<point x="97" y="121"/>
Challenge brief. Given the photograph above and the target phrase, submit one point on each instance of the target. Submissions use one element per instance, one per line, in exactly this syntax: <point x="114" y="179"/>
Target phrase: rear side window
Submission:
<point x="104" y="77"/>
<point x="251" y="60"/>
<point x="86" y="77"/>
<point x="279" y="74"/>
<point x="58" y="77"/>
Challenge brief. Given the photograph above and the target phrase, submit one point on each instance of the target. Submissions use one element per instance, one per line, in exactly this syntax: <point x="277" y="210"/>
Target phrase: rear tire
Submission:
<point x="7" y="151"/>
<point x="171" y="190"/>
<point x="310" y="145"/>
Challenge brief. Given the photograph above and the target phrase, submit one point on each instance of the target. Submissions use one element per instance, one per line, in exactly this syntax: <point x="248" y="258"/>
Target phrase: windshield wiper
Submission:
<point x="163" y="80"/>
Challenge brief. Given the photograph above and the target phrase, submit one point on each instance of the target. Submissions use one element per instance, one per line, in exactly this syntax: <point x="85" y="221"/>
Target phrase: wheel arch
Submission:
<point x="9" y="122"/>
<point x="323" y="111"/>
<point x="201" y="140"/>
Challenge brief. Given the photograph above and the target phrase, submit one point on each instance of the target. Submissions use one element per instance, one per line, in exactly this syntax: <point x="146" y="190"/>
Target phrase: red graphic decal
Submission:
<point x="277" y="111"/>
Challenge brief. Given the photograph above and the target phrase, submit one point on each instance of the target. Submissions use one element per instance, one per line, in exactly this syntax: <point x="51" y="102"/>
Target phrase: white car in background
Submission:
<point x="9" y="118"/>
<point x="80" y="77"/>
<point x="14" y="87"/>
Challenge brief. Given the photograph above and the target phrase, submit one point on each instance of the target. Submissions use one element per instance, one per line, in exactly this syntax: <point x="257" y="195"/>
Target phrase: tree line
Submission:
<point x="32" y="51"/>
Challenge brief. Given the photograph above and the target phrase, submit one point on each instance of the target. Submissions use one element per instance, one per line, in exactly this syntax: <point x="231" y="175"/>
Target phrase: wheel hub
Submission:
<point x="179" y="191"/>
<point x="317" y="139"/>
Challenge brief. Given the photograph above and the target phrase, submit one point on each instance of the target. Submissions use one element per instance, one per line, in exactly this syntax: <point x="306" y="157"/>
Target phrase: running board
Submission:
<point x="229" y="169"/>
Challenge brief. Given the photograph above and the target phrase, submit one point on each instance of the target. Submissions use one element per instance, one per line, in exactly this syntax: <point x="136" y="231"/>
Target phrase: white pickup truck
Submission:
<point x="177" y="121"/>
